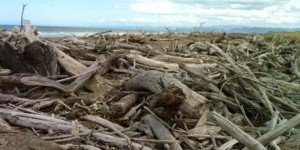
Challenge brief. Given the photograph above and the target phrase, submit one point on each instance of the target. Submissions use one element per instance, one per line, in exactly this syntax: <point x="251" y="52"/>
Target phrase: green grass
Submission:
<point x="282" y="35"/>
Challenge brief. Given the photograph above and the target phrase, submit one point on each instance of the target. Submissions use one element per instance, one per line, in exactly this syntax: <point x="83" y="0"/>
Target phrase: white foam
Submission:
<point x="63" y="34"/>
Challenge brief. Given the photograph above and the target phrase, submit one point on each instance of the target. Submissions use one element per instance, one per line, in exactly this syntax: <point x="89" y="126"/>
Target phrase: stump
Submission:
<point x="36" y="58"/>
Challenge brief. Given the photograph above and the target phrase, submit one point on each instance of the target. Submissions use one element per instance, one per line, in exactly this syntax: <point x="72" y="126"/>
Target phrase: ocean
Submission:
<point x="53" y="31"/>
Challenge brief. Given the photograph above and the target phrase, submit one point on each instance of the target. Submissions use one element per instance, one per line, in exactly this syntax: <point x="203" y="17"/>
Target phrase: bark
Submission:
<point x="45" y="123"/>
<point x="161" y="131"/>
<point x="236" y="132"/>
<point x="45" y="82"/>
<point x="71" y="65"/>
<point x="8" y="98"/>
<point x="177" y="59"/>
<point x="36" y="58"/>
<point x="120" y="107"/>
<point x="152" y="63"/>
<point x="30" y="80"/>
<point x="166" y="103"/>
<point x="29" y="32"/>
<point x="4" y="126"/>
<point x="5" y="72"/>
<point x="156" y="82"/>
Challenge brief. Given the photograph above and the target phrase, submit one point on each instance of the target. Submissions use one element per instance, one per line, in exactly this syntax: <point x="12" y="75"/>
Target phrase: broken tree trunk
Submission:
<point x="120" y="107"/>
<point x="35" y="58"/>
<point x="71" y="65"/>
<point x="236" y="132"/>
<point x="161" y="131"/>
<point x="166" y="103"/>
<point x="156" y="82"/>
<point x="29" y="32"/>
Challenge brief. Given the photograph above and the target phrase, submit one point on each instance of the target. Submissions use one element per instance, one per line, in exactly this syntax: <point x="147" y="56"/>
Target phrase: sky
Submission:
<point x="167" y="13"/>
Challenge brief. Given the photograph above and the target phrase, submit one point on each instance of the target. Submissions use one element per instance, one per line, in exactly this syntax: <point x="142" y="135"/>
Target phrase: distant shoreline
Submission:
<point x="56" y="31"/>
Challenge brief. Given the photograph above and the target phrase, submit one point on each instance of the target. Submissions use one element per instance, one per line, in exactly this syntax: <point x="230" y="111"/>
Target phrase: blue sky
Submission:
<point x="184" y="13"/>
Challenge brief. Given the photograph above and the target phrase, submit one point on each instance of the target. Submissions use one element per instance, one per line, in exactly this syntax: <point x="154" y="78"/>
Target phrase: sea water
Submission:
<point x="54" y="31"/>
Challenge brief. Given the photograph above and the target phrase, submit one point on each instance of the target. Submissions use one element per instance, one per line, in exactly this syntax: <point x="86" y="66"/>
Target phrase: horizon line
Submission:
<point x="154" y="26"/>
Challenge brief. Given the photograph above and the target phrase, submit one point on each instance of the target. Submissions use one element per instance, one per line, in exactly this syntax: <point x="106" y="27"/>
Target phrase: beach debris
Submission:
<point x="199" y="90"/>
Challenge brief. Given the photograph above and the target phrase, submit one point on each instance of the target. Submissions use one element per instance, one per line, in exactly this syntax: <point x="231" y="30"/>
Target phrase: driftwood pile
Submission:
<point x="151" y="91"/>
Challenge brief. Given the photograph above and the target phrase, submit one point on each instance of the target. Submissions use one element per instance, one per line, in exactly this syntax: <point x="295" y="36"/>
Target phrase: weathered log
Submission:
<point x="32" y="57"/>
<point x="166" y="103"/>
<point x="103" y="122"/>
<point x="83" y="147"/>
<point x="36" y="58"/>
<point x="202" y="128"/>
<point x="126" y="46"/>
<point x="8" y="98"/>
<point x="236" y="132"/>
<point x="5" y="72"/>
<point x="280" y="129"/>
<point x="20" y="79"/>
<point x="42" y="58"/>
<point x="79" y="82"/>
<point x="120" y="107"/>
<point x="74" y="67"/>
<point x="161" y="131"/>
<point x="4" y="126"/>
<point x="153" y="63"/>
<point x="29" y="80"/>
<point x="156" y="82"/>
<point x="177" y="59"/>
<point x="29" y="32"/>
<point x="71" y="65"/>
<point x="45" y="123"/>
<point x="296" y="66"/>
<point x="192" y="72"/>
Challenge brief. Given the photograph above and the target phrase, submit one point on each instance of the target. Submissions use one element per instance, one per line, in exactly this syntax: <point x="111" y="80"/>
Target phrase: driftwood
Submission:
<point x="45" y="82"/>
<point x="155" y="82"/>
<point x="280" y="129"/>
<point x="166" y="103"/>
<point x="84" y="147"/>
<point x="5" y="72"/>
<point x="161" y="131"/>
<point x="202" y="128"/>
<point x="122" y="106"/>
<point x="46" y="123"/>
<point x="30" y="80"/>
<point x="33" y="56"/>
<point x="177" y="59"/>
<point x="153" y="62"/>
<point x="236" y="132"/>
<point x="296" y="66"/>
<point x="36" y="58"/>
<point x="105" y="123"/>
<point x="4" y="126"/>
<point x="29" y="32"/>
<point x="239" y="75"/>
<point x="71" y="65"/>
<point x="8" y="98"/>
<point x="74" y="67"/>
<point x="126" y="46"/>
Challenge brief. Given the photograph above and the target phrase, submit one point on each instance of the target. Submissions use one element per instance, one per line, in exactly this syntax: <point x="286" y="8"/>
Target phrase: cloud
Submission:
<point x="267" y="13"/>
<point x="242" y="12"/>
<point x="293" y="5"/>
